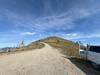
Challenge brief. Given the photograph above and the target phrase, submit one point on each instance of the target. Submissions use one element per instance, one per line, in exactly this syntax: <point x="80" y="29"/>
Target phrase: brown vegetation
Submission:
<point x="65" y="46"/>
<point x="31" y="46"/>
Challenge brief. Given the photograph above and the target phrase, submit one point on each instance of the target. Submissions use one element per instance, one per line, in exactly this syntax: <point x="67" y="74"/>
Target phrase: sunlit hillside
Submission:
<point x="66" y="47"/>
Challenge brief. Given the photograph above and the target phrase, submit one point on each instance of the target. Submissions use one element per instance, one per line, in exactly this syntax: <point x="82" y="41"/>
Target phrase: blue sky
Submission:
<point x="77" y="20"/>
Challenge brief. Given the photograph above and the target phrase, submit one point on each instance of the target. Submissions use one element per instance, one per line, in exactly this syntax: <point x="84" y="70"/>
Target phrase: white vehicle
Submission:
<point x="92" y="54"/>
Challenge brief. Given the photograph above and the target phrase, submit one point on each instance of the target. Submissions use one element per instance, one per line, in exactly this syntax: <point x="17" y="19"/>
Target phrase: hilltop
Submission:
<point x="66" y="47"/>
<point x="46" y="56"/>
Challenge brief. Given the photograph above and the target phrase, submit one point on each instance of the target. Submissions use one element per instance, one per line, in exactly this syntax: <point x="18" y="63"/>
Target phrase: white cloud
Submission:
<point x="64" y="21"/>
<point x="28" y="33"/>
<point x="72" y="35"/>
<point x="81" y="36"/>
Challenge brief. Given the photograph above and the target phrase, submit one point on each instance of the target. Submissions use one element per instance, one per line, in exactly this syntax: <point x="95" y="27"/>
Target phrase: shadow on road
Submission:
<point x="85" y="66"/>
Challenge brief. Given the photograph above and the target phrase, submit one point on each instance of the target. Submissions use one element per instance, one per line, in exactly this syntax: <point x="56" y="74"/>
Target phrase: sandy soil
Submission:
<point x="45" y="61"/>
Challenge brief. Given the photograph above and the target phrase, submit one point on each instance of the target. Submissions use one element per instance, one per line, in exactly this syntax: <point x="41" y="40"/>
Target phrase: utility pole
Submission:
<point x="87" y="49"/>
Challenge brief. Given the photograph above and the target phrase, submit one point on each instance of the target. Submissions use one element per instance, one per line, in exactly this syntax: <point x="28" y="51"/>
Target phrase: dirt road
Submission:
<point x="45" y="61"/>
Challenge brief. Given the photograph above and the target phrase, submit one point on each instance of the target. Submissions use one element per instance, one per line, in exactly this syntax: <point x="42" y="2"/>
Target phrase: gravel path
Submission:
<point x="45" y="61"/>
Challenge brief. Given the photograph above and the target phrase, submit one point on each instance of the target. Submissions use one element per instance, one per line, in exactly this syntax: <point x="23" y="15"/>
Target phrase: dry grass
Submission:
<point x="45" y="61"/>
<point x="65" y="46"/>
<point x="32" y="46"/>
<point x="67" y="49"/>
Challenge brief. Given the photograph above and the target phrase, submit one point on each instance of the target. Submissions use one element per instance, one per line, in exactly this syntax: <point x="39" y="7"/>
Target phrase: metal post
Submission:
<point x="87" y="49"/>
